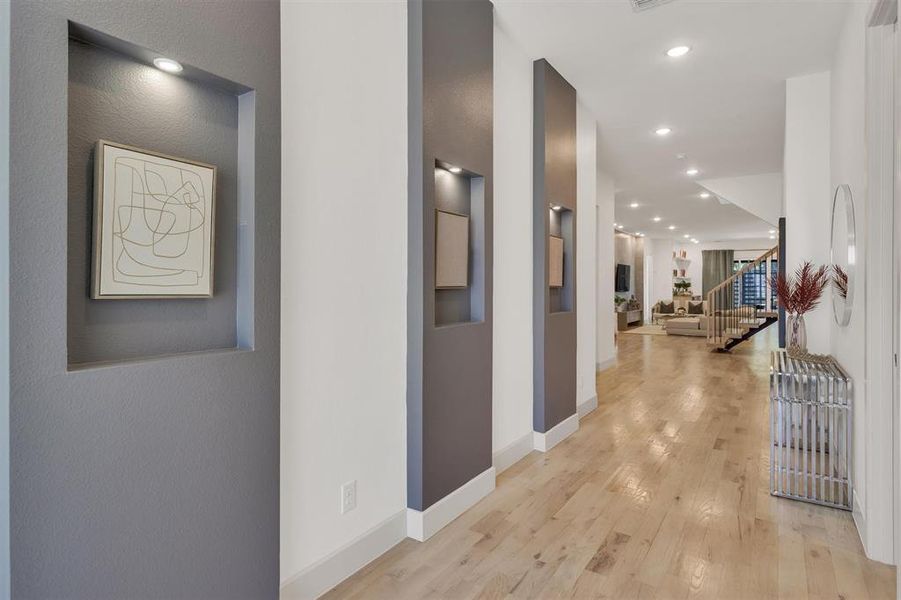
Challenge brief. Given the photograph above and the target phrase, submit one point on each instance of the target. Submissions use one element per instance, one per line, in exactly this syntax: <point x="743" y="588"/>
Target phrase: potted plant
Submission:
<point x="798" y="295"/>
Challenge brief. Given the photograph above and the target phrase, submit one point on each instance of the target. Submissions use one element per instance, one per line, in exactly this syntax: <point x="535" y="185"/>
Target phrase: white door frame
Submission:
<point x="877" y="476"/>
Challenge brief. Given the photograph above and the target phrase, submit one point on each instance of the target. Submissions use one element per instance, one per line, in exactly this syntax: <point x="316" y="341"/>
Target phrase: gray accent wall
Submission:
<point x="145" y="439"/>
<point x="449" y="366"/>
<point x="4" y="300"/>
<point x="554" y="183"/>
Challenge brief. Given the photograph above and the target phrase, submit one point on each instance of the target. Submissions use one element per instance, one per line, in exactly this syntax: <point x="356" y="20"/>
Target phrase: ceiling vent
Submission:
<point x="639" y="5"/>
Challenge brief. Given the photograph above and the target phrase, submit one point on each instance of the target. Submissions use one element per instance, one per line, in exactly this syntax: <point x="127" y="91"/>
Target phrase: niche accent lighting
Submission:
<point x="556" y="207"/>
<point x="455" y="170"/>
<point x="167" y="64"/>
<point x="677" y="51"/>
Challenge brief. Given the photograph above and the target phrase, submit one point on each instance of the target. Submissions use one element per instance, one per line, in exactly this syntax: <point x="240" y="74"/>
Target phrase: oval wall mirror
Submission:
<point x="843" y="250"/>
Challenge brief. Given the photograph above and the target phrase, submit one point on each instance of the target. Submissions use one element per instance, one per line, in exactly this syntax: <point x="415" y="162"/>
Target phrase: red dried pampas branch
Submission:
<point x="840" y="280"/>
<point x="801" y="293"/>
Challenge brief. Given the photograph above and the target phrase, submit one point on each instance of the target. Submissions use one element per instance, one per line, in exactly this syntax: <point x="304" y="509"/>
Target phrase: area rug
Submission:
<point x="647" y="330"/>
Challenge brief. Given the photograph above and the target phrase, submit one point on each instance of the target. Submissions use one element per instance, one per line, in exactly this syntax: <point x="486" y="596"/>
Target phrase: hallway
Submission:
<point x="662" y="493"/>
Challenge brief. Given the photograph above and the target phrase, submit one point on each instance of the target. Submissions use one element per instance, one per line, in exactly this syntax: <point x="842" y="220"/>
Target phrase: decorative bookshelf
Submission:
<point x="681" y="280"/>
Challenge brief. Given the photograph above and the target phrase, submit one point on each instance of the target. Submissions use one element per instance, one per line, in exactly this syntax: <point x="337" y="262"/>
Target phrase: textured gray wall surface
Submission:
<point x="4" y="300"/>
<point x="554" y="182"/>
<point x="449" y="368"/>
<point x="165" y="114"/>
<point x="152" y="478"/>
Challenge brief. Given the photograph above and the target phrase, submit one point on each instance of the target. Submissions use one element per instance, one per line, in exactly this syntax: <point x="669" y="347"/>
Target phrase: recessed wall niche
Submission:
<point x="114" y="93"/>
<point x="459" y="195"/>
<point x="560" y="252"/>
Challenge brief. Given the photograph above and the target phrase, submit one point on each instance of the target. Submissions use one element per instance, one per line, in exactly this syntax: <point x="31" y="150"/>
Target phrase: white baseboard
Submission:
<point x="587" y="406"/>
<point x="421" y="525"/>
<point x="326" y="573"/>
<point x="559" y="432"/>
<point x="513" y="453"/>
<point x="606" y="364"/>
<point x="860" y="520"/>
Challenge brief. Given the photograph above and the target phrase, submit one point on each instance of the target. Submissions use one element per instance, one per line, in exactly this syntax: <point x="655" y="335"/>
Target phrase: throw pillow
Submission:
<point x="667" y="308"/>
<point x="696" y="308"/>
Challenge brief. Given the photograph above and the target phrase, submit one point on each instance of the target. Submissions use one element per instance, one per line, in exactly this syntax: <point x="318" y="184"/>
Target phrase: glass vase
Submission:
<point x="797" y="333"/>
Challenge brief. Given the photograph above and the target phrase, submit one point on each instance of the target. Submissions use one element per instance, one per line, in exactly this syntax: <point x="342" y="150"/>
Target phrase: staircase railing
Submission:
<point x="725" y="320"/>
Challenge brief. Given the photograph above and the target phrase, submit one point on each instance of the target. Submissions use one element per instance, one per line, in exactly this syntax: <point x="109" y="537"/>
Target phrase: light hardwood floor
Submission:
<point x="662" y="493"/>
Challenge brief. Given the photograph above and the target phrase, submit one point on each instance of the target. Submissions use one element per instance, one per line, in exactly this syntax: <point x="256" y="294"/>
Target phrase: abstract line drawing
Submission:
<point x="153" y="224"/>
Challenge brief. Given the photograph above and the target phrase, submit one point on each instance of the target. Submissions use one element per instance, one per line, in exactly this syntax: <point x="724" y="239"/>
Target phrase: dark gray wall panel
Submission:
<point x="175" y="116"/>
<point x="152" y="478"/>
<point x="554" y="183"/>
<point x="449" y="368"/>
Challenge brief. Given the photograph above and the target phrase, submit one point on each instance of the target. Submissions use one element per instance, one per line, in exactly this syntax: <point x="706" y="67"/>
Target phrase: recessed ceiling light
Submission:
<point x="556" y="207"/>
<point x="772" y="237"/>
<point x="692" y="172"/>
<point x="694" y="241"/>
<point x="704" y="194"/>
<point x="772" y="231"/>
<point x="639" y="234"/>
<point x="671" y="227"/>
<point x="677" y="51"/>
<point x="656" y="219"/>
<point x="634" y="205"/>
<point x="663" y="131"/>
<point x="167" y="64"/>
<point x="687" y="235"/>
<point x="455" y="169"/>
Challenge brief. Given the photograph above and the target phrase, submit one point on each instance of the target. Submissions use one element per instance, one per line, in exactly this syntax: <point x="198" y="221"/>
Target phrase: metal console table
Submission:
<point x="810" y="431"/>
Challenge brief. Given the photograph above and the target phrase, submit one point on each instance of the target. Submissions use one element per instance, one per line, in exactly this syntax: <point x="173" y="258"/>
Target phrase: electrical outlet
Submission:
<point x="348" y="496"/>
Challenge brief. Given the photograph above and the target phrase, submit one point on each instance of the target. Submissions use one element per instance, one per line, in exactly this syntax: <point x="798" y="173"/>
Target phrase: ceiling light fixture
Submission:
<point x="663" y="131"/>
<point x="455" y="170"/>
<point x="677" y="51"/>
<point x="772" y="231"/>
<point x="639" y="234"/>
<point x="656" y="219"/>
<point x="704" y="195"/>
<point x="671" y="227"/>
<point x="772" y="237"/>
<point x="692" y="172"/>
<point x="694" y="241"/>
<point x="687" y="235"/>
<point x="167" y="64"/>
<point x="633" y="205"/>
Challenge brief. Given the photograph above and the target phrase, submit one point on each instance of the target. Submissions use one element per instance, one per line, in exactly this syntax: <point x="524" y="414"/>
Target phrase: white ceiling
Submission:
<point x="725" y="100"/>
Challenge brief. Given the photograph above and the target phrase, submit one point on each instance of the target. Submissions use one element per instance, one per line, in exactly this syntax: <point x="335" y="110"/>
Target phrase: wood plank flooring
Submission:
<point x="662" y="493"/>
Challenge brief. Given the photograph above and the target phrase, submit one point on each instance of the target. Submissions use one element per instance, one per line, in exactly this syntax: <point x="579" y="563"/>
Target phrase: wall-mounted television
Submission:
<point x="622" y="278"/>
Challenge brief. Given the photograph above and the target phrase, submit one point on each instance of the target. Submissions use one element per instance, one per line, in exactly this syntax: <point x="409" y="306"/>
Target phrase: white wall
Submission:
<point x="586" y="253"/>
<point x="760" y="195"/>
<point x="512" y="352"/>
<point x="344" y="232"/>
<point x="807" y="193"/>
<point x="661" y="272"/>
<point x="872" y="419"/>
<point x="606" y="322"/>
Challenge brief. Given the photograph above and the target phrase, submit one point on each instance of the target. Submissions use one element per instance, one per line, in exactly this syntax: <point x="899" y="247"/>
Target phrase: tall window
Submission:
<point x="753" y="288"/>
